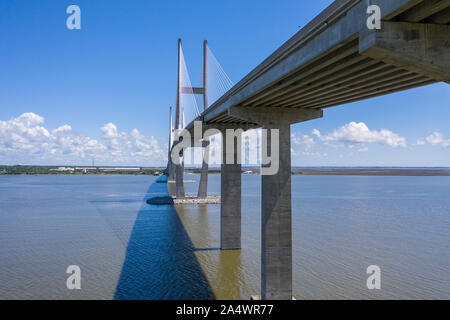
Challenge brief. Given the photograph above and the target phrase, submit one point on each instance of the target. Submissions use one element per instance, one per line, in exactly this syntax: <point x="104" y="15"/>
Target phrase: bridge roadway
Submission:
<point x="334" y="60"/>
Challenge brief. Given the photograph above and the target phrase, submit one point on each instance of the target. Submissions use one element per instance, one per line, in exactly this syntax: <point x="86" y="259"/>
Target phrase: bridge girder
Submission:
<point x="417" y="47"/>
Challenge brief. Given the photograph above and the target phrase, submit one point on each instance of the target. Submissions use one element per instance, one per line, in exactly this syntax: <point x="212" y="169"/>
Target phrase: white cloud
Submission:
<point x="24" y="133"/>
<point x="435" y="139"/>
<point x="421" y="142"/>
<point x="63" y="128"/>
<point x="25" y="140"/>
<point x="110" y="131"/>
<point x="305" y="140"/>
<point x="316" y="133"/>
<point x="313" y="154"/>
<point x="358" y="133"/>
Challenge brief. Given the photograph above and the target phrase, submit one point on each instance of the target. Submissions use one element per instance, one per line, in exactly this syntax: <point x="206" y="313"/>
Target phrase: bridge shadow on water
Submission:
<point x="160" y="261"/>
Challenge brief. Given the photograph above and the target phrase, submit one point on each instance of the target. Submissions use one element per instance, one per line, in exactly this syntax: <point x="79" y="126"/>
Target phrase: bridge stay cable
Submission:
<point x="216" y="85"/>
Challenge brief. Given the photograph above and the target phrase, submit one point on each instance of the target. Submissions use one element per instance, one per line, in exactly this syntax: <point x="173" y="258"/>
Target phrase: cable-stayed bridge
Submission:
<point x="336" y="59"/>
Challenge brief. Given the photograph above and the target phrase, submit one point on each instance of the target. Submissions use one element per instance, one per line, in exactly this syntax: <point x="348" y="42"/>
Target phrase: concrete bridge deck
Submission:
<point x="336" y="59"/>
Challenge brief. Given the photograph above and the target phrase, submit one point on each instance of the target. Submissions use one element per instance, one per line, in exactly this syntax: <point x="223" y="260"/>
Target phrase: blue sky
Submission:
<point x="108" y="86"/>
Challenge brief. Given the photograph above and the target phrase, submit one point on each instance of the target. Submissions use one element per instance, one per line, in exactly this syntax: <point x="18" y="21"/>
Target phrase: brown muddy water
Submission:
<point x="127" y="249"/>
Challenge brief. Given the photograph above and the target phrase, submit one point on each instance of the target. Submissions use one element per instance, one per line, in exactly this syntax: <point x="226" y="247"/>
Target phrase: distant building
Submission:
<point x="63" y="169"/>
<point x="90" y="169"/>
<point x="85" y="169"/>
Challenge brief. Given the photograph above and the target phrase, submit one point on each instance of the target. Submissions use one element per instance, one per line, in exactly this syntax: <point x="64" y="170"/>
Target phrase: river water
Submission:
<point x="127" y="249"/>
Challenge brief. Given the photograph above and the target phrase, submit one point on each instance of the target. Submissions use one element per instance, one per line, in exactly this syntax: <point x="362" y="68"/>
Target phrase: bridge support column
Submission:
<point x="179" y="185"/>
<point x="203" y="185"/>
<point x="276" y="207"/>
<point x="230" y="207"/>
<point x="276" y="233"/>
<point x="179" y="173"/>
<point x="170" y="170"/>
<point x="170" y="166"/>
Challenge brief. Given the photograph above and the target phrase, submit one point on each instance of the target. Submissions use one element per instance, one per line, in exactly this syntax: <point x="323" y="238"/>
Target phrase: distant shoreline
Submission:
<point x="343" y="171"/>
<point x="77" y="170"/>
<point x="376" y="171"/>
